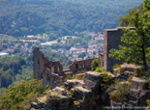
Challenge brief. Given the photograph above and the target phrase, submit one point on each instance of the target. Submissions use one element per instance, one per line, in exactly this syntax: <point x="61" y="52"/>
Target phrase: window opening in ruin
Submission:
<point x="76" y="66"/>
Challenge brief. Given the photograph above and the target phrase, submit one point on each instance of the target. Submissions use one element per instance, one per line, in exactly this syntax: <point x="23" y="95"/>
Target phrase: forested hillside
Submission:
<point x="16" y="68"/>
<point x="60" y="17"/>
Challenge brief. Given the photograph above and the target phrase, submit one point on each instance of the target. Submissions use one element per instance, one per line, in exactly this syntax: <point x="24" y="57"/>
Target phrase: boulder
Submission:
<point x="130" y="67"/>
<point x="79" y="92"/>
<point x="92" y="80"/>
<point x="72" y="83"/>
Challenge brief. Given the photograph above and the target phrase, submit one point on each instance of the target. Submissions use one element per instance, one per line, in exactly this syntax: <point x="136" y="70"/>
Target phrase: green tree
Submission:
<point x="95" y="64"/>
<point x="19" y="96"/>
<point x="135" y="46"/>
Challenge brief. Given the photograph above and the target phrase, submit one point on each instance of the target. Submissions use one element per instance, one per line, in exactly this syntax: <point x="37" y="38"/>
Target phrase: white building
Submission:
<point x="3" y="54"/>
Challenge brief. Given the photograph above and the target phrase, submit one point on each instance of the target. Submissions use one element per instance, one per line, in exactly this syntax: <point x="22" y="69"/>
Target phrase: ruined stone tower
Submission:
<point x="112" y="39"/>
<point x="38" y="65"/>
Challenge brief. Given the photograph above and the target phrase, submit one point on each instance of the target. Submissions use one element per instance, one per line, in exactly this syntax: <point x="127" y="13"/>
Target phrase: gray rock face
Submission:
<point x="87" y="94"/>
<point x="138" y="95"/>
<point x="72" y="83"/>
<point x="92" y="80"/>
<point x="72" y="95"/>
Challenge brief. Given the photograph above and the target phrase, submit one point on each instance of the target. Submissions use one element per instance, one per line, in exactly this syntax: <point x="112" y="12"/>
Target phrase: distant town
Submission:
<point x="73" y="47"/>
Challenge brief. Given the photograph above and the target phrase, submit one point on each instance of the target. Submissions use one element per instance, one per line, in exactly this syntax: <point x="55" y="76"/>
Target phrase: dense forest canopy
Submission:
<point x="60" y="17"/>
<point x="27" y="91"/>
<point x="14" y="68"/>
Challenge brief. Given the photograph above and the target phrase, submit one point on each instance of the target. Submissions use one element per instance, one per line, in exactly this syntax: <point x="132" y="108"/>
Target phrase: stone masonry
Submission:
<point x="112" y="39"/>
<point x="83" y="65"/>
<point x="42" y="64"/>
<point x="51" y="72"/>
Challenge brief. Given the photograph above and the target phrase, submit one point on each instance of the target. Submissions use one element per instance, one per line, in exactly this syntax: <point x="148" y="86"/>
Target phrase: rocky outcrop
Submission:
<point x="91" y="91"/>
<point x="73" y="95"/>
<point x="137" y="96"/>
<point x="139" y="90"/>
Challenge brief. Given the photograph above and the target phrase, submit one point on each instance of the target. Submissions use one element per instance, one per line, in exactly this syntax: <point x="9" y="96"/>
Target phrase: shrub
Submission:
<point x="121" y="91"/>
<point x="116" y="66"/>
<point x="95" y="64"/>
<point x="116" y="96"/>
<point x="106" y="78"/>
<point x="19" y="96"/>
<point x="100" y="69"/>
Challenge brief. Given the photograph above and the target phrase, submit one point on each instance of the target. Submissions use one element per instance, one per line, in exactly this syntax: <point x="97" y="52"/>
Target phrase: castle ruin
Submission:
<point x="45" y="69"/>
<point x="112" y="40"/>
<point x="51" y="72"/>
<point x="87" y="90"/>
<point x="41" y="64"/>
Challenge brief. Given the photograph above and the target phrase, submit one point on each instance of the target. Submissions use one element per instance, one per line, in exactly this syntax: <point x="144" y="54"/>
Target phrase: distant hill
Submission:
<point x="61" y="17"/>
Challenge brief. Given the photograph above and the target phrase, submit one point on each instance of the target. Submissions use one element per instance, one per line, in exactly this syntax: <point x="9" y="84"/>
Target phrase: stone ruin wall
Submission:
<point x="51" y="72"/>
<point x="112" y="39"/>
<point x="83" y="65"/>
<point x="42" y="64"/>
<point x="38" y="65"/>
